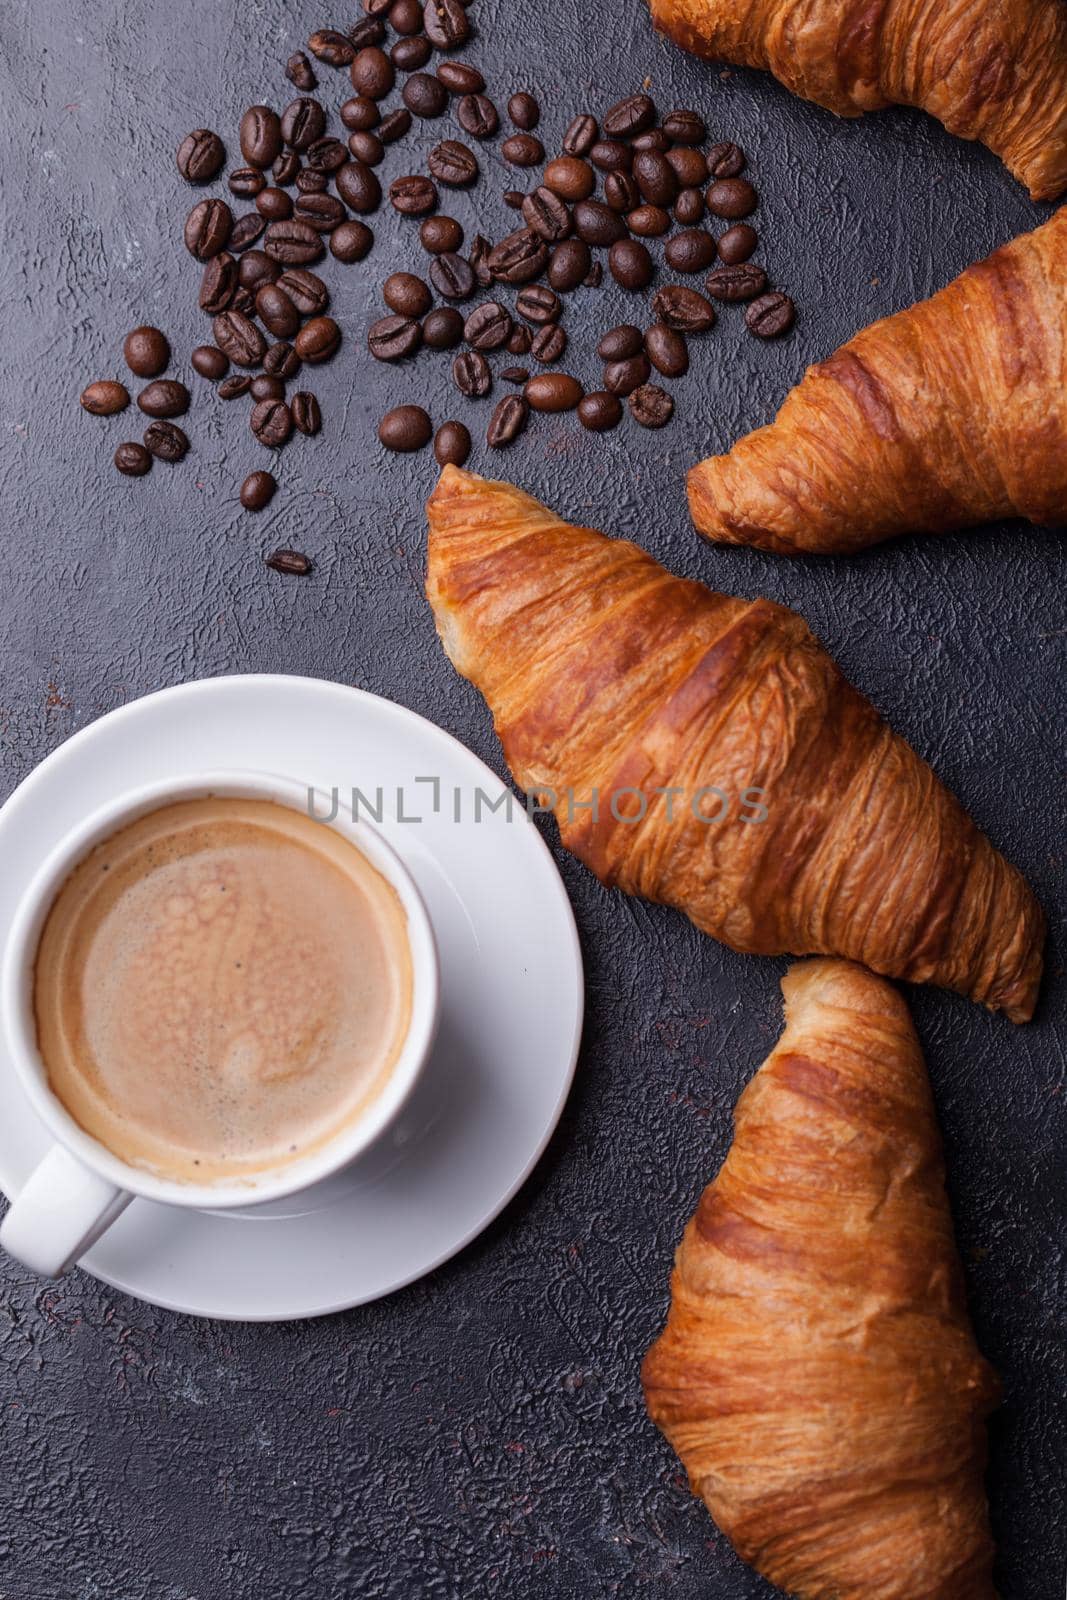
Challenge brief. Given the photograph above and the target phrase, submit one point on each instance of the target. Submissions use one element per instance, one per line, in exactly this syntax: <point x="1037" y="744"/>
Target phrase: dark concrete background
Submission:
<point x="482" y="1434"/>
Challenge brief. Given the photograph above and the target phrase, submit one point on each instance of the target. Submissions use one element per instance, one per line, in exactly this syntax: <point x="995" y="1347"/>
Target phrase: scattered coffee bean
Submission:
<point x="514" y="198"/>
<point x="305" y="412"/>
<point x="471" y="374"/>
<point x="200" y="156"/>
<point x="359" y="115"/>
<point x="246" y="230"/>
<point x="477" y="116"/>
<point x="105" y="398"/>
<point x="520" y="341"/>
<point x="738" y="243"/>
<point x="335" y="49"/>
<point x="690" y="251"/>
<point x="651" y="406"/>
<point x="286" y="168"/>
<point x="276" y="311"/>
<point x="524" y="111"/>
<point x="599" y="411"/>
<point x="688" y="166"/>
<point x="453" y="163"/>
<point x="547" y="215"/>
<point x="744" y="281"/>
<point x="257" y="490"/>
<point x="246" y="182"/>
<point x="260" y="136"/>
<point x="358" y="186"/>
<point x="594" y="277"/>
<point x="731" y="197"/>
<point x="683" y="308"/>
<point x="685" y="127"/>
<point x="298" y="70"/>
<point x="629" y="117"/>
<point x="597" y="224"/>
<point x="549" y="343"/>
<point x="209" y="361"/>
<point x="621" y="192"/>
<point x="317" y="340"/>
<point x="442" y="329"/>
<point x="306" y="290"/>
<point x="611" y="156"/>
<point x="409" y="55"/>
<point x="623" y="377"/>
<point x="366" y="147"/>
<point x="351" y="241"/>
<point x="146" y="351"/>
<point x="569" y="265"/>
<point x="292" y="563"/>
<point x="271" y="423"/>
<point x="480" y="252"/>
<point x="325" y="156"/>
<point x="689" y="207"/>
<point x="218" y="284"/>
<point x="518" y="258"/>
<point x="405" y="17"/>
<point x="166" y="441"/>
<point x="369" y="30"/>
<point x="648" y="222"/>
<point x="581" y="135"/>
<point x="655" y="177"/>
<point x="488" y="326"/>
<point x="451" y="276"/>
<point x="553" y="391"/>
<point x="523" y="150"/>
<point x="413" y="196"/>
<point x="244" y="302"/>
<point x="666" y="350"/>
<point x="452" y="444"/>
<point x="207" y="228"/>
<point x="394" y="125"/>
<point x="233" y="388"/>
<point x="274" y="204"/>
<point x="507" y="422"/>
<point x="538" y="304"/>
<point x="323" y="212"/>
<point x="372" y="73"/>
<point x="425" y="95"/>
<point x="281" y="360"/>
<point x="393" y="338"/>
<point x="571" y="178"/>
<point x="303" y="123"/>
<point x="166" y="397"/>
<point x="446" y="23"/>
<point x="132" y="459"/>
<point x="267" y="387"/>
<point x="238" y="337"/>
<point x="725" y="160"/>
<point x="405" y="428"/>
<point x="770" y="315"/>
<point x="620" y="343"/>
<point x="406" y="294"/>
<point x="459" y="77"/>
<point x="440" y="233"/>
<point x="515" y="374"/>
<point x="630" y="264"/>
<point x="292" y="243"/>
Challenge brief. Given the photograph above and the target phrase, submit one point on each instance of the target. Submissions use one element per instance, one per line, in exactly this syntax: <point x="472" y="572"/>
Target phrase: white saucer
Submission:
<point x="511" y="974"/>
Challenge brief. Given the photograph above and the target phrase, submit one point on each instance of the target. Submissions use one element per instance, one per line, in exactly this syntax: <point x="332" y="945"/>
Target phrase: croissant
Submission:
<point x="991" y="70"/>
<point x="948" y="414"/>
<point x="818" y="1375"/>
<point x="706" y="752"/>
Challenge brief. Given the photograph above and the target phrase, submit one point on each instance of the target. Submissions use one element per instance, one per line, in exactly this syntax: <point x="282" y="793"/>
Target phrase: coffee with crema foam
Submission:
<point x="221" y="987"/>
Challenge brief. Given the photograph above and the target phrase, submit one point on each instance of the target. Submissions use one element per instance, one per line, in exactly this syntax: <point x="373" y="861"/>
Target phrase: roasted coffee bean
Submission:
<point x="487" y="327"/>
<point x="393" y="338"/>
<point x="413" y="196"/>
<point x="479" y="260"/>
<point x="570" y="178"/>
<point x="451" y="276"/>
<point x="685" y="127"/>
<point x="409" y="55"/>
<point x="547" y="215"/>
<point x="553" y="391"/>
<point x="518" y="258"/>
<point x="238" y="337"/>
<point x="406" y="294"/>
<point x="568" y="265"/>
<point x="146" y="351"/>
<point x="538" y="304"/>
<point x="132" y="459"/>
<point x="690" y="251"/>
<point x="261" y="136"/>
<point x="452" y="444"/>
<point x="738" y="243"/>
<point x="377" y="8"/>
<point x="233" y="388"/>
<point x="323" y="212"/>
<point x="286" y="169"/>
<point x="207" y="228"/>
<point x="281" y="361"/>
<point x="274" y="204"/>
<point x="358" y="186"/>
<point x="623" y="377"/>
<point x="515" y="374"/>
<point x="326" y="155"/>
<point x="523" y="150"/>
<point x="366" y="147"/>
<point x="246" y="182"/>
<point x="581" y="135"/>
<point x="368" y="30"/>
<point x="620" y="343"/>
<point x="309" y="182"/>
<point x="360" y="114"/>
<point x="351" y="241"/>
<point x="655" y="177"/>
<point x="524" y="111"/>
<point x="305" y="412"/>
<point x="520" y="341"/>
<point x="424" y="95"/>
<point x="599" y="411"/>
<point x="688" y="166"/>
<point x="405" y="17"/>
<point x="372" y="73"/>
<point x="744" y="281"/>
<point x="621" y="192"/>
<point x="303" y="122"/>
<point x="651" y="406"/>
<point x="630" y="264"/>
<point x="166" y="397"/>
<point x="446" y="24"/>
<point x="629" y="117"/>
<point x="105" y="398"/>
<point x="453" y="163"/>
<point x="514" y="198"/>
<point x="725" y="160"/>
<point x="394" y="125"/>
<point x="594" y="277"/>
<point x="649" y="222"/>
<point x="549" y="343"/>
<point x="246" y="230"/>
<point x="209" y="361"/>
<point x="271" y="423"/>
<point x="335" y="49"/>
<point x="731" y="197"/>
<point x="689" y="207"/>
<point x="442" y="329"/>
<point x="292" y="243"/>
<point x="405" y="428"/>
<point x="317" y="340"/>
<point x="597" y="224"/>
<point x="471" y="375"/>
<point x="218" y="284"/>
<point x="459" y="77"/>
<point x="611" y="156"/>
<point x="440" y="233"/>
<point x="306" y="290"/>
<point x="257" y="490"/>
<point x="477" y="116"/>
<point x="508" y="421"/>
<point x="265" y="386"/>
<point x="666" y="349"/>
<point x="299" y="71"/>
<point x="166" y="441"/>
<point x="276" y="311"/>
<point x="684" y="309"/>
<point x="292" y="563"/>
<point x="200" y="156"/>
<point x="770" y="315"/>
<point x="243" y="301"/>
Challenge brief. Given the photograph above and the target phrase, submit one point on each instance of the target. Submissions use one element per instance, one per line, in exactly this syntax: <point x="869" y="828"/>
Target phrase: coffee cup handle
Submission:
<point x="61" y="1210"/>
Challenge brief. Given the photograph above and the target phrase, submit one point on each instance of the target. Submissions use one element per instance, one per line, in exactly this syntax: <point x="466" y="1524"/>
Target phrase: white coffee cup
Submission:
<point x="81" y="1186"/>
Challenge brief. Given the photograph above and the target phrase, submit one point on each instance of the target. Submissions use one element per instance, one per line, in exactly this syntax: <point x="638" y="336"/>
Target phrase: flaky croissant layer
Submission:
<point x="991" y="70"/>
<point x="818" y="1375"/>
<point x="951" y="413"/>
<point x="632" y="697"/>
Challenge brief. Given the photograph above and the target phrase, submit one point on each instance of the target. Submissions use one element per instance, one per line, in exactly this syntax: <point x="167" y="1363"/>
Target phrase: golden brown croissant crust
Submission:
<point x="951" y="413"/>
<point x="991" y="70"/>
<point x="818" y="1375"/>
<point x="605" y="673"/>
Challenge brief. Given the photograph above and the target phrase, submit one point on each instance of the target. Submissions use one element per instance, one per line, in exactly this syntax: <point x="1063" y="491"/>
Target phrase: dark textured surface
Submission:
<point x="482" y="1433"/>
